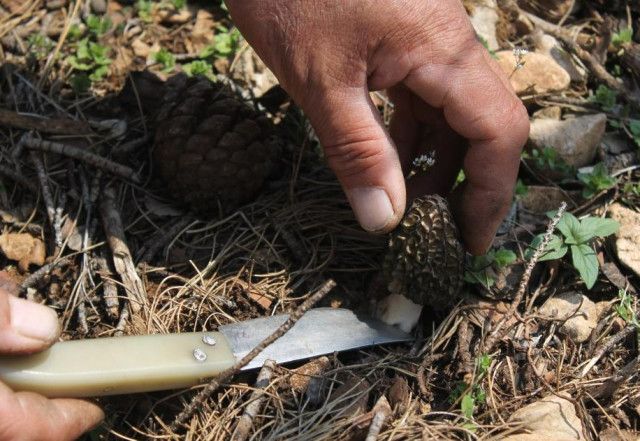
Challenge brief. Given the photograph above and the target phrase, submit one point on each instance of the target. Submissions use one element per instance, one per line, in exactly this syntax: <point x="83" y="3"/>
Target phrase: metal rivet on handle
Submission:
<point x="199" y="354"/>
<point x="208" y="340"/>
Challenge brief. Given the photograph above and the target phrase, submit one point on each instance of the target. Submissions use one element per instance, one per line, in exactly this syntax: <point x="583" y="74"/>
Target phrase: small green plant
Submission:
<point x="144" y="9"/>
<point x="606" y="98"/>
<point x="596" y="181"/>
<point x="39" y="45"/>
<point x="199" y="67"/>
<point x="91" y="59"/>
<point x="79" y="82"/>
<point x="165" y="59"/>
<point x="480" y="267"/>
<point x="226" y="43"/>
<point x="622" y="37"/>
<point x="471" y="395"/>
<point x="97" y="25"/>
<point x="549" y="159"/>
<point x="578" y="237"/>
<point x="634" y="129"/>
<point x="625" y="308"/>
<point x="521" y="188"/>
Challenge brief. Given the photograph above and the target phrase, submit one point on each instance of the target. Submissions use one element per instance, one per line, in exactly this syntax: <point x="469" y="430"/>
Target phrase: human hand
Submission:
<point x="449" y="96"/>
<point x="26" y="327"/>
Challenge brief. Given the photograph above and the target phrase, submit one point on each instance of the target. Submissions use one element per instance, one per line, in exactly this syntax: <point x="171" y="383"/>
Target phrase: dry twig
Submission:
<point x="89" y="158"/>
<point x="122" y="259"/>
<point x="57" y="126"/>
<point x="256" y="399"/>
<point x="497" y="332"/>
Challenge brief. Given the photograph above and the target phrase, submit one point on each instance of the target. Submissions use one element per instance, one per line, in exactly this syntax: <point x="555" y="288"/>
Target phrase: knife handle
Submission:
<point x="119" y="365"/>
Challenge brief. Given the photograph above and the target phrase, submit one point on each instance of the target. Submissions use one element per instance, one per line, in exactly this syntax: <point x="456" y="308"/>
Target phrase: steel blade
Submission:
<point x="320" y="331"/>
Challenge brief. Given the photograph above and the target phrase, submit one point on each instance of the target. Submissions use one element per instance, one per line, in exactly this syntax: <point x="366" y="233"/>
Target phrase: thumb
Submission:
<point x="361" y="153"/>
<point x="25" y="326"/>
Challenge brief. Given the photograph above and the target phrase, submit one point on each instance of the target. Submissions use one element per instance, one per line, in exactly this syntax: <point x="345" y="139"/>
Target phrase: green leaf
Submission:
<point x="586" y="262"/>
<point x="556" y="249"/>
<point x="73" y="61"/>
<point x="503" y="257"/>
<point x="600" y="227"/>
<point x="605" y="97"/>
<point x="82" y="51"/>
<point x="569" y="225"/>
<point x="521" y="188"/>
<point x="624" y="36"/>
<point x="467" y="406"/>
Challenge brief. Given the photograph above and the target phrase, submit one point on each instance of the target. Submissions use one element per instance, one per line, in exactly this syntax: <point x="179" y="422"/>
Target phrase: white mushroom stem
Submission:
<point x="399" y="311"/>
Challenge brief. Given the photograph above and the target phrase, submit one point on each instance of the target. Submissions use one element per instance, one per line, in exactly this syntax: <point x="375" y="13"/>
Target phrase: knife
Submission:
<point x="143" y="363"/>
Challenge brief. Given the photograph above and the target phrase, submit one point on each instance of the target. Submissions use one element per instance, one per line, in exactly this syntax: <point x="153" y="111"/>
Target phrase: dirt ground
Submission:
<point x="90" y="228"/>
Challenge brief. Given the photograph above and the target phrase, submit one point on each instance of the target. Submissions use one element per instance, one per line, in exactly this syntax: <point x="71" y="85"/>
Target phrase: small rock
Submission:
<point x="615" y="144"/>
<point x="575" y="139"/>
<point x="627" y="238"/>
<point x="551" y="418"/>
<point x="140" y="48"/>
<point x="548" y="45"/>
<point x="24" y="248"/>
<point x="484" y="17"/>
<point x="540" y="73"/>
<point x="301" y="376"/>
<point x="551" y="112"/>
<point x="579" y="313"/>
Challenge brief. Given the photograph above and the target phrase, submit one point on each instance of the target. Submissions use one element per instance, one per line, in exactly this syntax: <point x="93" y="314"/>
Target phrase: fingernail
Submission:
<point x="33" y="321"/>
<point x="372" y="207"/>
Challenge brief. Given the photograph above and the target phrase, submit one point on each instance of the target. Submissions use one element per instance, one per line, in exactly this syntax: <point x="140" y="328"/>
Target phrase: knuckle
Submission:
<point x="354" y="157"/>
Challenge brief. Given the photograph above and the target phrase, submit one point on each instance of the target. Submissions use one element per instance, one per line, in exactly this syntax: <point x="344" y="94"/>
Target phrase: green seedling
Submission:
<point x="97" y="25"/>
<point x="472" y="395"/>
<point x="549" y="158"/>
<point x="596" y="181"/>
<point x="92" y="60"/>
<point x="226" y="43"/>
<point x="625" y="308"/>
<point x="144" y="9"/>
<point x="39" y="45"/>
<point x="199" y="67"/>
<point x="521" y="188"/>
<point x="622" y="37"/>
<point x="577" y="236"/>
<point x="606" y="98"/>
<point x="634" y="129"/>
<point x="165" y="59"/>
<point x="481" y="267"/>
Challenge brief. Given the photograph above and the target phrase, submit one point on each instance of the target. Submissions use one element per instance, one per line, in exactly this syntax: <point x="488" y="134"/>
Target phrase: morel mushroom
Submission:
<point x="424" y="262"/>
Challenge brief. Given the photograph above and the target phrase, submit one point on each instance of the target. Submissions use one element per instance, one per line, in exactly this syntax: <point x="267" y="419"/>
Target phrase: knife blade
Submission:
<point x="143" y="363"/>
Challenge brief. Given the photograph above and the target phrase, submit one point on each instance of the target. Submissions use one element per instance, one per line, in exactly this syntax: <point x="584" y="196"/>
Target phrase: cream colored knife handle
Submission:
<point x="119" y="365"/>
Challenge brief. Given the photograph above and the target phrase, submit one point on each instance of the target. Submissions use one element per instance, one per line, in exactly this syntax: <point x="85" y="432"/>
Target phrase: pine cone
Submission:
<point x="211" y="150"/>
<point x="425" y="258"/>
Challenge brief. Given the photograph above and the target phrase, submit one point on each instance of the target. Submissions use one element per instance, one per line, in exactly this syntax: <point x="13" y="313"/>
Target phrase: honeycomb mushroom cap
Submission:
<point x="425" y="258"/>
<point x="212" y="150"/>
